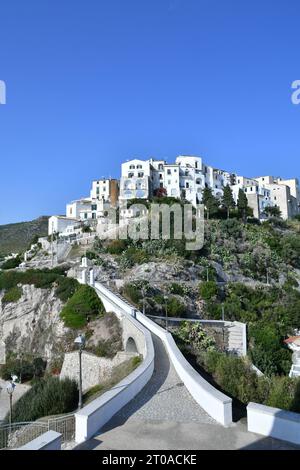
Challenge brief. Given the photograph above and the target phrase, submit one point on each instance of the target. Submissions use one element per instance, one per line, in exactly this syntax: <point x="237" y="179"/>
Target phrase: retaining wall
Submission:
<point x="273" y="422"/>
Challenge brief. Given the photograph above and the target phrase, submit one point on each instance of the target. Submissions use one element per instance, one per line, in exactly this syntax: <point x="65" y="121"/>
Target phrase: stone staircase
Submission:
<point x="295" y="369"/>
<point x="235" y="339"/>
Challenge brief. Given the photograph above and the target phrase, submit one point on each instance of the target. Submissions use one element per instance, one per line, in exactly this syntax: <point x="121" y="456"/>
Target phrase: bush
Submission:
<point x="25" y="369"/>
<point x="175" y="307"/>
<point x="208" y="290"/>
<point x="66" y="288"/>
<point x="11" y="263"/>
<point x="12" y="295"/>
<point x="84" y="305"/>
<point x="46" y="397"/>
<point x="177" y="289"/>
<point x="132" y="292"/>
<point x="116" y="247"/>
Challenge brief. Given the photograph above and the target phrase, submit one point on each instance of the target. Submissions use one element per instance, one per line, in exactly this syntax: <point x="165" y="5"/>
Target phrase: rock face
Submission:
<point x="32" y="324"/>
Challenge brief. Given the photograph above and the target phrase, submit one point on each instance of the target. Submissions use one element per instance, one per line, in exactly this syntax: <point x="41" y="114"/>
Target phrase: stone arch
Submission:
<point x="131" y="345"/>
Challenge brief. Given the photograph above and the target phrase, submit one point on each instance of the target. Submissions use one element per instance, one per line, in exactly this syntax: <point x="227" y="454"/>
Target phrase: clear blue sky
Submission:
<point x="91" y="83"/>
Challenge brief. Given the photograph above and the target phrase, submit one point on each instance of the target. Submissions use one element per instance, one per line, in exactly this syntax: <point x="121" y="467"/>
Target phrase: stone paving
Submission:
<point x="165" y="397"/>
<point x="164" y="416"/>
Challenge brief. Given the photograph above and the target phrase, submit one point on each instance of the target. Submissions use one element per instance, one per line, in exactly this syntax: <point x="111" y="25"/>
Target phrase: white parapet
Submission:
<point x="50" y="440"/>
<point x="274" y="422"/>
<point x="215" y="403"/>
<point x="91" y="418"/>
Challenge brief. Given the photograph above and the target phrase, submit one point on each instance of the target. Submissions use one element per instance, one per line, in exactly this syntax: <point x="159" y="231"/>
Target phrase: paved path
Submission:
<point x="165" y="416"/>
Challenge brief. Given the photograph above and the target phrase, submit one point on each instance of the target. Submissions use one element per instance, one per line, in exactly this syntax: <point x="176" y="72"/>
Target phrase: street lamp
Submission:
<point x="166" y="308"/>
<point x="10" y="387"/>
<point x="80" y="341"/>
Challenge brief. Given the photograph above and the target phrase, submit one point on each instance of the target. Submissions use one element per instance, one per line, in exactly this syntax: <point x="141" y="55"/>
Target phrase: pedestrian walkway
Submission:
<point x="165" y="416"/>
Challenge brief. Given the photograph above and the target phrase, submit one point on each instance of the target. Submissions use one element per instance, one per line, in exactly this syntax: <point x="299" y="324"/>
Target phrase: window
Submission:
<point x="140" y="174"/>
<point x="187" y="185"/>
<point x="169" y="181"/>
<point x="132" y="167"/>
<point x="160" y="176"/>
<point x="94" y="207"/>
<point x="160" y="167"/>
<point x="85" y="215"/>
<point x="97" y="190"/>
<point x="139" y="167"/>
<point x="196" y="164"/>
<point x="93" y="215"/>
<point x="161" y="185"/>
<point x="169" y="172"/>
<point x="130" y="175"/>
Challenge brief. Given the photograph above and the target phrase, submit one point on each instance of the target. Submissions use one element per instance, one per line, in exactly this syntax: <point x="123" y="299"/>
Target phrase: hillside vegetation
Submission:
<point x="15" y="238"/>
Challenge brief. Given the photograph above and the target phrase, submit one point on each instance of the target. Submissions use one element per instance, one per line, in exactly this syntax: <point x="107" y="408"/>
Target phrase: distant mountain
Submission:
<point x="17" y="237"/>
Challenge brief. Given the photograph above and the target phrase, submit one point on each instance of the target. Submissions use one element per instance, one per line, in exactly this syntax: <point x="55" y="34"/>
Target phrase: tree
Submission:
<point x="211" y="203"/>
<point x="242" y="204"/>
<point x="227" y="199"/>
<point x="272" y="211"/>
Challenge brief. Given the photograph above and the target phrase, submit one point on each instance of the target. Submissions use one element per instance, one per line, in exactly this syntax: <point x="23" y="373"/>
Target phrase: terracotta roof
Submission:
<point x="292" y="339"/>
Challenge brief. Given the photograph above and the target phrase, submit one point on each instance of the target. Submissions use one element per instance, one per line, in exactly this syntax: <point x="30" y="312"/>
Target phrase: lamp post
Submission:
<point x="143" y="294"/>
<point x="10" y="390"/>
<point x="80" y="341"/>
<point x="166" y="308"/>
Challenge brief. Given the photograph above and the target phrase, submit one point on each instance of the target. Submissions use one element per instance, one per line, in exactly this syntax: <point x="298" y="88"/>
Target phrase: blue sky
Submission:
<point x="92" y="83"/>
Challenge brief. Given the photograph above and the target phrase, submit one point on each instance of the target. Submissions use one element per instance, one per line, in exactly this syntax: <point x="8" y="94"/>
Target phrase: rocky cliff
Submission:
<point x="32" y="324"/>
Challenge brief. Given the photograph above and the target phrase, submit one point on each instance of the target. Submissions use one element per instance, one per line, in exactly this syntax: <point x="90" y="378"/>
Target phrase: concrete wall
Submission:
<point x="50" y="440"/>
<point x="274" y="422"/>
<point x="92" y="417"/>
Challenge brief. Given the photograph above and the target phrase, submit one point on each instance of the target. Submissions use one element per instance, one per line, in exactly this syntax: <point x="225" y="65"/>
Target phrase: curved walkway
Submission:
<point x="165" y="416"/>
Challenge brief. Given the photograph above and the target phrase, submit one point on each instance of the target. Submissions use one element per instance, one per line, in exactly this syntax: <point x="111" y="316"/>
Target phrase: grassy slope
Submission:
<point x="17" y="237"/>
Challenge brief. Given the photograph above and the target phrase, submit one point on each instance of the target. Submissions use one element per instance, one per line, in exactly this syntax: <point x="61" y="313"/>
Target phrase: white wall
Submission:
<point x="92" y="417"/>
<point x="215" y="403"/>
<point x="50" y="440"/>
<point x="274" y="422"/>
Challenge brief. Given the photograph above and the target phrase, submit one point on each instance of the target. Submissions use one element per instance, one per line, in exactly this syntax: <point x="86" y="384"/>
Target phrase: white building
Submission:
<point x="284" y="194"/>
<point x="184" y="179"/>
<point x="58" y="224"/>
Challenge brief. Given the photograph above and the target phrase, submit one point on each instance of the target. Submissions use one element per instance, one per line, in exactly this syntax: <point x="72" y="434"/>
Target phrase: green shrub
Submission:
<point x="177" y="289"/>
<point x="208" y="290"/>
<point x="11" y="263"/>
<point x="282" y="393"/>
<point x="175" y="307"/>
<point x="26" y="368"/>
<point x="66" y="288"/>
<point x="116" y="247"/>
<point x="12" y="295"/>
<point x="132" y="292"/>
<point x="46" y="397"/>
<point x="84" y="305"/>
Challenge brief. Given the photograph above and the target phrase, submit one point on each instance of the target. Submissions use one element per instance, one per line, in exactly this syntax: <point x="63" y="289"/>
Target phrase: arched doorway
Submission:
<point x="131" y="346"/>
